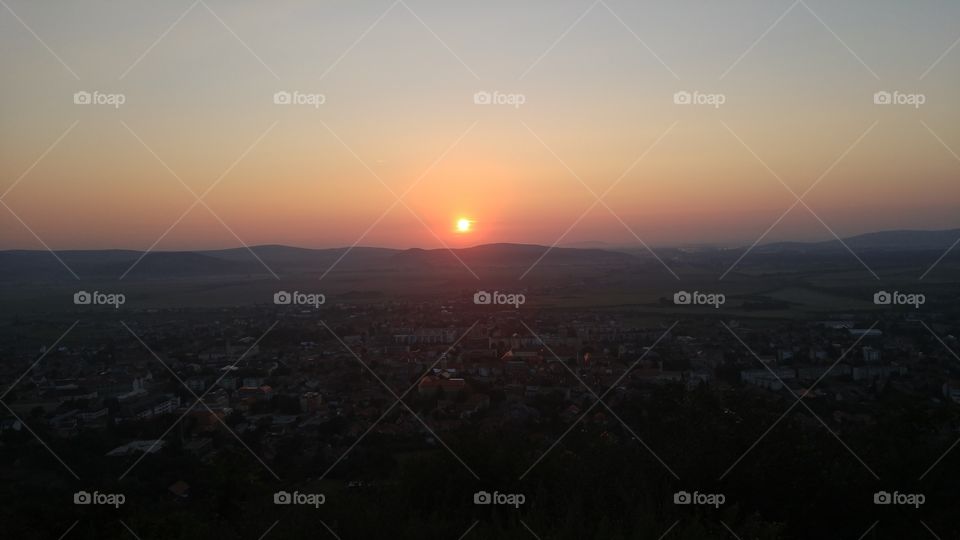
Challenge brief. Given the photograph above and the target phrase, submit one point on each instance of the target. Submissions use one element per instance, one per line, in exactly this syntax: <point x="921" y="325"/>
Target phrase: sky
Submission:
<point x="585" y="140"/>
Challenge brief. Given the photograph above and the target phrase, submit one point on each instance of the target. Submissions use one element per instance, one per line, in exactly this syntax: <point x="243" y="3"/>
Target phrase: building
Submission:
<point x="431" y="385"/>
<point x="310" y="402"/>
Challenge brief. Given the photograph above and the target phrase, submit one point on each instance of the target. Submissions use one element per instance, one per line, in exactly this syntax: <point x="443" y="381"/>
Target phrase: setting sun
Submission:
<point x="464" y="225"/>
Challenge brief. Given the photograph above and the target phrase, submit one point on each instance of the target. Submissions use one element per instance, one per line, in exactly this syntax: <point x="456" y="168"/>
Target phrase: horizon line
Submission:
<point x="585" y="244"/>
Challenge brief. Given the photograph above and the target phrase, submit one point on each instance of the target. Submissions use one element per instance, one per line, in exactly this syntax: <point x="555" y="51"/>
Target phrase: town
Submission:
<point x="308" y="392"/>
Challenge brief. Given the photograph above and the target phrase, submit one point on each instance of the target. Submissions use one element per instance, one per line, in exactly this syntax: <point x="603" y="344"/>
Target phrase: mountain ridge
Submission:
<point x="282" y="259"/>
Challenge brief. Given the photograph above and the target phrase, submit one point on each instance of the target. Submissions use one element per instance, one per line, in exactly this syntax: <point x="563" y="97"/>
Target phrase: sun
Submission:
<point x="464" y="225"/>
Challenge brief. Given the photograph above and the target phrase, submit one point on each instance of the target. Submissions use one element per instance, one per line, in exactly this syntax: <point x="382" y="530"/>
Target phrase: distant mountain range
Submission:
<point x="24" y="265"/>
<point x="111" y="264"/>
<point x="903" y="240"/>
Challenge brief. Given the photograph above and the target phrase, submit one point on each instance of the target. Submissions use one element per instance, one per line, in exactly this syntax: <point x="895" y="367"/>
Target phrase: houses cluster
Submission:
<point x="452" y="366"/>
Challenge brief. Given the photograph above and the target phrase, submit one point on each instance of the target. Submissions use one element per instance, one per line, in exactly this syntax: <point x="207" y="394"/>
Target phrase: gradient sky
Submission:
<point x="399" y="99"/>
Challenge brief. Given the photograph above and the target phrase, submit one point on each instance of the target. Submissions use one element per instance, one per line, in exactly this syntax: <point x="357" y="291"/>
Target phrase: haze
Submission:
<point x="598" y="93"/>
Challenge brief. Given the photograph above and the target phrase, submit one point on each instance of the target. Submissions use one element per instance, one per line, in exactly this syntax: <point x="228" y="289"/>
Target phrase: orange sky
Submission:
<point x="402" y="97"/>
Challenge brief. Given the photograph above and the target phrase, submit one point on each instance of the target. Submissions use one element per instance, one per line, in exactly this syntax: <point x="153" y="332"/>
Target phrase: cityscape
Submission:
<point x="422" y="269"/>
